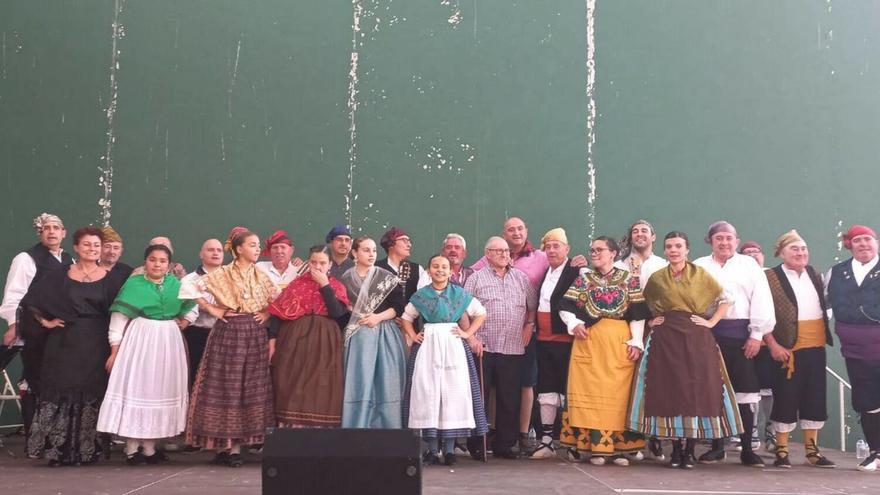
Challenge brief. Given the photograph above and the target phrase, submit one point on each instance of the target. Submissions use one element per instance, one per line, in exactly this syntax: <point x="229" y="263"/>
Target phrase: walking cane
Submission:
<point x="483" y="393"/>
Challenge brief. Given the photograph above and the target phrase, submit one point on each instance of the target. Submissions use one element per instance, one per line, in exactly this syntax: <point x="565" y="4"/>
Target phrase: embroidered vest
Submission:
<point x="785" y="332"/>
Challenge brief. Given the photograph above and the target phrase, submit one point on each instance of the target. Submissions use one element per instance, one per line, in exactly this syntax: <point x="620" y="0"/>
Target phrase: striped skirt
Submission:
<point x="476" y="396"/>
<point x="232" y="395"/>
<point x="681" y="388"/>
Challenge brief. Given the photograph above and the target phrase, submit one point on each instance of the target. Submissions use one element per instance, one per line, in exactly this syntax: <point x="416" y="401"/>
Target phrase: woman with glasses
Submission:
<point x="605" y="311"/>
<point x="681" y="390"/>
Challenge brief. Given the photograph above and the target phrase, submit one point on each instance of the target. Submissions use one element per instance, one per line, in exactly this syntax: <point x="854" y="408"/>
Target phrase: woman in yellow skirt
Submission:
<point x="605" y="311"/>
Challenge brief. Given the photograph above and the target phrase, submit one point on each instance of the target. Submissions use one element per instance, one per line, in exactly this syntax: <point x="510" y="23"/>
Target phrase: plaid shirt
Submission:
<point x="507" y="299"/>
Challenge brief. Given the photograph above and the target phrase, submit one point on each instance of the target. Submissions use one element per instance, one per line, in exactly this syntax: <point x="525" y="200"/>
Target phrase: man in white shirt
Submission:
<point x="28" y="267"/>
<point x="638" y="256"/>
<point x="553" y="340"/>
<point x="854" y="296"/>
<point x="798" y="342"/>
<point x="280" y="269"/>
<point x="196" y="335"/>
<point x="740" y="333"/>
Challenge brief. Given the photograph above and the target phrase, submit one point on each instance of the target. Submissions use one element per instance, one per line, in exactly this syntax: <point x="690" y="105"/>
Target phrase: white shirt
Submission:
<point x="205" y="319"/>
<point x="860" y="271"/>
<point x="279" y="279"/>
<point x="549" y="286"/>
<point x="748" y="290"/>
<point x="18" y="280"/>
<point x="648" y="267"/>
<point x="808" y="305"/>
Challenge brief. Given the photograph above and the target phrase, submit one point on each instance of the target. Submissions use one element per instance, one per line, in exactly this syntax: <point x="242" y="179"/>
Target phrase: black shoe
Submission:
<point x="235" y="461"/>
<point x="713" y="457"/>
<point x="816" y="459"/>
<point x="751" y="459"/>
<point x="449" y="459"/>
<point x="476" y="455"/>
<point x="782" y="461"/>
<point x="156" y="458"/>
<point x="220" y="458"/>
<point x="136" y="459"/>
<point x="430" y="459"/>
<point x="507" y="453"/>
<point x="687" y="460"/>
<point x="656" y="449"/>
<point x="675" y="458"/>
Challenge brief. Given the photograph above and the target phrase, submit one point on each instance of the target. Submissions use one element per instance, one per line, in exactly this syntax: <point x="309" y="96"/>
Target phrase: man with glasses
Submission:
<point x="398" y="246"/>
<point x="511" y="302"/>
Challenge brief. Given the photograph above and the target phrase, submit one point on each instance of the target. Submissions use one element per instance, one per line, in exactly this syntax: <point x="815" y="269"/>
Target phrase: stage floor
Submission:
<point x="190" y="474"/>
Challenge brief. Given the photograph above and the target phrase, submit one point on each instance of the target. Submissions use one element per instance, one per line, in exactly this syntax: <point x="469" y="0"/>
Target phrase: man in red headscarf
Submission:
<point x="854" y="296"/>
<point x="281" y="269"/>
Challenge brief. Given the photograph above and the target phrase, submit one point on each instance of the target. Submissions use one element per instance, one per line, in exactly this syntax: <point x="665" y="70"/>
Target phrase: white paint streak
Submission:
<point x="591" y="117"/>
<point x="105" y="180"/>
<point x="455" y="17"/>
<point x="3" y="56"/>
<point x="233" y="77"/>
<point x="357" y="13"/>
<point x="222" y="148"/>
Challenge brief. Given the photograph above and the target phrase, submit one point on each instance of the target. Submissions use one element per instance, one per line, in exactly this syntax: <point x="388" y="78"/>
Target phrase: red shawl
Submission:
<point x="303" y="297"/>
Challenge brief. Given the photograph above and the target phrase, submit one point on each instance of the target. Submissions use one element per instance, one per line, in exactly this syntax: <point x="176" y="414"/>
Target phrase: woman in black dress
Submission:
<point x="72" y="306"/>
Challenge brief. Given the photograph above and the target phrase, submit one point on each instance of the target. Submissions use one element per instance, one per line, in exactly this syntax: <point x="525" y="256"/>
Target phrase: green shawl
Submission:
<point x="141" y="298"/>
<point x="695" y="292"/>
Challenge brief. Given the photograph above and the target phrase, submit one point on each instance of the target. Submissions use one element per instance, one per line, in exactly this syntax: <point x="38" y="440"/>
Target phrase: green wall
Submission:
<point x="464" y="112"/>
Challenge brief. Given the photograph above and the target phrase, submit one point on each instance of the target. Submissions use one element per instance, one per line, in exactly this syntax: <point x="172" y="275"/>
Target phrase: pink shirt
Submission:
<point x="534" y="265"/>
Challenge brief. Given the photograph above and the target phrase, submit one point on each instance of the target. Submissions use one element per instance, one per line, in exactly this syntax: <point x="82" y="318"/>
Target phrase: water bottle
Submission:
<point x="861" y="449"/>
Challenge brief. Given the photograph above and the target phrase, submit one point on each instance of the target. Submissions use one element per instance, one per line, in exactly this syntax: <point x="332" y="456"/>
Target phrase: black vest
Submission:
<point x="409" y="276"/>
<point x="566" y="278"/>
<point x="785" y="304"/>
<point x="853" y="303"/>
<point x="28" y="327"/>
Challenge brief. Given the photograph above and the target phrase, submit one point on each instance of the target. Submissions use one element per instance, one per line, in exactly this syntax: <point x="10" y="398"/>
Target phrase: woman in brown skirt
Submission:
<point x="681" y="389"/>
<point x="306" y="347"/>
<point x="232" y="397"/>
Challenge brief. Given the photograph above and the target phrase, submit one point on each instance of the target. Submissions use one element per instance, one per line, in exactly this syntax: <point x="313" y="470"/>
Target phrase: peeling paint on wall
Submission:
<point x="105" y="180"/>
<point x="591" y="118"/>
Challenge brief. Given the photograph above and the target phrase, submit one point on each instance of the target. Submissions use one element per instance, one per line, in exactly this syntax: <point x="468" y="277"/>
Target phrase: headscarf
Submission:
<point x="279" y="237"/>
<point x="45" y="218"/>
<point x="235" y="232"/>
<point x="749" y="245"/>
<point x="719" y="226"/>
<point x="855" y="231"/>
<point x="557" y="234"/>
<point x="785" y="239"/>
<point x="390" y="237"/>
<point x="337" y="230"/>
<point x="110" y="235"/>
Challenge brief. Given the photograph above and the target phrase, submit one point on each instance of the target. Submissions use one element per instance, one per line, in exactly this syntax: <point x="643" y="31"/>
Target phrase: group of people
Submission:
<point x="620" y="349"/>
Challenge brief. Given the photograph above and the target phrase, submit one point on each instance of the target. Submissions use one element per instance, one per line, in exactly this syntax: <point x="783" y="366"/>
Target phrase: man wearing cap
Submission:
<point x="740" y="333"/>
<point x="455" y="250"/>
<point x="111" y="251"/>
<point x="765" y="365"/>
<point x="398" y="246"/>
<point x="554" y="341"/>
<point x="854" y="296"/>
<point x="28" y="267"/>
<point x="339" y="240"/>
<point x="511" y="302"/>
<point x="280" y="269"/>
<point x="798" y="342"/>
<point x="196" y="334"/>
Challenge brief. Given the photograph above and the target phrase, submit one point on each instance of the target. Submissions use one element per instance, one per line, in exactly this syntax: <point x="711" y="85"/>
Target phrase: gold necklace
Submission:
<point x="86" y="275"/>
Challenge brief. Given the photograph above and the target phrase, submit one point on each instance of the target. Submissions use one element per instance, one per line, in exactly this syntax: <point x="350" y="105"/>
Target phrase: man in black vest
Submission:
<point x="553" y="341"/>
<point x="798" y="342"/>
<point x="28" y="267"/>
<point x="854" y="296"/>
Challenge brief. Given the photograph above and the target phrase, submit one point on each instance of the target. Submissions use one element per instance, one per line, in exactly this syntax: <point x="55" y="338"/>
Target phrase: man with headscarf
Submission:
<point x="111" y="251"/>
<point x="798" y="342"/>
<point x="280" y="268"/>
<point x="339" y="240"/>
<point x="554" y="341"/>
<point x="740" y="333"/>
<point x="398" y="245"/>
<point x="28" y="267"/>
<point x="854" y="296"/>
